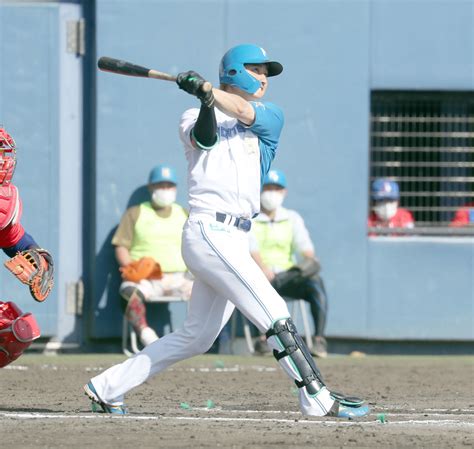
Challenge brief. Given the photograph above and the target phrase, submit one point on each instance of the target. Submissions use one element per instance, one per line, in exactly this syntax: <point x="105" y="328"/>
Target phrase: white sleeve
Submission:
<point x="301" y="239"/>
<point x="186" y="124"/>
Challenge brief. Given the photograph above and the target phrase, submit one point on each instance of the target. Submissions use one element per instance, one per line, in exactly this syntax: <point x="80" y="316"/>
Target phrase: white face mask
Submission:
<point x="163" y="197"/>
<point x="386" y="211"/>
<point x="271" y="199"/>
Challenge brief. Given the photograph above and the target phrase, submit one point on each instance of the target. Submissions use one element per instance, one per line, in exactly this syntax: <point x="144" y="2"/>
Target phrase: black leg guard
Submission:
<point x="295" y="348"/>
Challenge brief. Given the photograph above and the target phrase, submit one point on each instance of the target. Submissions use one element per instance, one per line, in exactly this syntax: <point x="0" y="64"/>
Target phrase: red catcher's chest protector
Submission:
<point x="17" y="331"/>
<point x="10" y="206"/>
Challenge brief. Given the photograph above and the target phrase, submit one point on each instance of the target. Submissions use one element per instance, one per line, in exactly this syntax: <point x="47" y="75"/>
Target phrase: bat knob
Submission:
<point x="206" y="87"/>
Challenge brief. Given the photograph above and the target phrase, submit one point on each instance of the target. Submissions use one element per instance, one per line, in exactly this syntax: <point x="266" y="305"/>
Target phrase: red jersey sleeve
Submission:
<point x="11" y="235"/>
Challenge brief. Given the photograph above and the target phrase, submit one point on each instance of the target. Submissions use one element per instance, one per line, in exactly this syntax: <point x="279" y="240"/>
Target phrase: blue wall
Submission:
<point x="334" y="52"/>
<point x="40" y="105"/>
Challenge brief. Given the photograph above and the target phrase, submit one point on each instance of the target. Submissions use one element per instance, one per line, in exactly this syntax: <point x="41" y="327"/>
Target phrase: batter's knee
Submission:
<point x="201" y="342"/>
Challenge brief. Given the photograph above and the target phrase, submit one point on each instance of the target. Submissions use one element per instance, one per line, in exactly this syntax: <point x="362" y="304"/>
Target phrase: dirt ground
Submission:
<point x="217" y="401"/>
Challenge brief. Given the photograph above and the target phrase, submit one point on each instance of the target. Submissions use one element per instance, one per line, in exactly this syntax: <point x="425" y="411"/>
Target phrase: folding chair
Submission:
<point x="294" y="303"/>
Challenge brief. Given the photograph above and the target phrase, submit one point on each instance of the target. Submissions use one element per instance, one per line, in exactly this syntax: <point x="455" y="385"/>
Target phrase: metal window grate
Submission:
<point x="425" y="142"/>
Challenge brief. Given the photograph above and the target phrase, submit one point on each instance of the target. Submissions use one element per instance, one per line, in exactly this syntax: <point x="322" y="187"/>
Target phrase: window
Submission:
<point x="424" y="141"/>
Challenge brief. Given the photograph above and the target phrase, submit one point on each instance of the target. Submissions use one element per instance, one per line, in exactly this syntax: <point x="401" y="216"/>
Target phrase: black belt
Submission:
<point x="243" y="224"/>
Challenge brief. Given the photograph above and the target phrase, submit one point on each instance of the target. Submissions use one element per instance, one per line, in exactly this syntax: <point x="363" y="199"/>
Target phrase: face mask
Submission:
<point x="163" y="197"/>
<point x="386" y="211"/>
<point x="271" y="199"/>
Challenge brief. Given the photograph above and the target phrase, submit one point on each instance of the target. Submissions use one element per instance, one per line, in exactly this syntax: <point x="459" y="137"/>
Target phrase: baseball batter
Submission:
<point x="229" y="142"/>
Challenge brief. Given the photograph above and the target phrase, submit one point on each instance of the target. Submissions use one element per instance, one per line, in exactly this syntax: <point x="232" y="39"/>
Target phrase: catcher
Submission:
<point x="148" y="250"/>
<point x="29" y="263"/>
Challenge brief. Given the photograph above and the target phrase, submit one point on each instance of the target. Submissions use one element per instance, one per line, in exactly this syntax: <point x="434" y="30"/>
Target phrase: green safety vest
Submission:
<point x="275" y="240"/>
<point x="159" y="237"/>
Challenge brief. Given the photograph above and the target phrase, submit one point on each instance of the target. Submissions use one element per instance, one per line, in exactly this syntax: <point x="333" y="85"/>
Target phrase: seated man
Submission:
<point x="152" y="230"/>
<point x="386" y="213"/>
<point x="278" y="239"/>
<point x="464" y="216"/>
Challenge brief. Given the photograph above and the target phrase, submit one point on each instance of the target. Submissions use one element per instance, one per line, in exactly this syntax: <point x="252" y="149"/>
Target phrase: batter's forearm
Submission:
<point x="205" y="130"/>
<point x="234" y="106"/>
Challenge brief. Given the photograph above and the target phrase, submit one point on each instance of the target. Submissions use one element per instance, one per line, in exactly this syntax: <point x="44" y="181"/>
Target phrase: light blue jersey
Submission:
<point x="267" y="127"/>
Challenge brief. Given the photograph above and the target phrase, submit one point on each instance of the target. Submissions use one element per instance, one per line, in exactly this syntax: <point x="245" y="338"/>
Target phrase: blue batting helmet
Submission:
<point x="163" y="173"/>
<point x="232" y="68"/>
<point x="384" y="189"/>
<point x="275" y="177"/>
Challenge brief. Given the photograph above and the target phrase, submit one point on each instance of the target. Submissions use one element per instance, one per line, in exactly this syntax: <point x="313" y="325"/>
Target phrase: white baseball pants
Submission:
<point x="226" y="276"/>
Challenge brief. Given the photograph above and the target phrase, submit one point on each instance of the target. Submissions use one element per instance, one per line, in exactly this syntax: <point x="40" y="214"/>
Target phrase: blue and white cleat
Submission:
<point x="98" y="406"/>
<point x="348" y="406"/>
<point x="345" y="411"/>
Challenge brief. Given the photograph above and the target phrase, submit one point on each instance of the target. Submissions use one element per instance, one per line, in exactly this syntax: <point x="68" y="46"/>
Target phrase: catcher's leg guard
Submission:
<point x="292" y="353"/>
<point x="17" y="331"/>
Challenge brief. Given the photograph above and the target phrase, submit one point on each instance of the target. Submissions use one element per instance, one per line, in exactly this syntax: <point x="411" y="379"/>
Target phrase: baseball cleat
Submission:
<point x="348" y="407"/>
<point x="344" y="399"/>
<point x="344" y="411"/>
<point x="98" y="406"/>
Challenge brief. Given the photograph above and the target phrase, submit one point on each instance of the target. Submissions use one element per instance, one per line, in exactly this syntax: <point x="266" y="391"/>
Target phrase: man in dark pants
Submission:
<point x="279" y="240"/>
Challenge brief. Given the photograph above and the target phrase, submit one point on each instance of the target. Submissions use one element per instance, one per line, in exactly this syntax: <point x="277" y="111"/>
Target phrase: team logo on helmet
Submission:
<point x="385" y="189"/>
<point x="273" y="176"/>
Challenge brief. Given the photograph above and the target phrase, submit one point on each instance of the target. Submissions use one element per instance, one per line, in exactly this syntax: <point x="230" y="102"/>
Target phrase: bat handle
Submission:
<point x="206" y="87"/>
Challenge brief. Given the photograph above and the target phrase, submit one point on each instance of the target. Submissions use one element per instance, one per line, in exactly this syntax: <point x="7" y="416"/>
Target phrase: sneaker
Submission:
<point x="148" y="336"/>
<point x="98" y="406"/>
<point x="319" y="348"/>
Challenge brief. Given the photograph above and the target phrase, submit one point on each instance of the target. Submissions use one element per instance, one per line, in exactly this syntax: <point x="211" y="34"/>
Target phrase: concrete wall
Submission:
<point x="334" y="52"/>
<point x="41" y="106"/>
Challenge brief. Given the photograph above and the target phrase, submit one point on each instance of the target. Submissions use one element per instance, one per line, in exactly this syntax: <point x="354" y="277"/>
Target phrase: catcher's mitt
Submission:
<point x="144" y="268"/>
<point x="34" y="267"/>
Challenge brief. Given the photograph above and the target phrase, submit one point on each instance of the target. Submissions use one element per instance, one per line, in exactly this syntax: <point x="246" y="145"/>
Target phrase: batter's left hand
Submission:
<point x="192" y="83"/>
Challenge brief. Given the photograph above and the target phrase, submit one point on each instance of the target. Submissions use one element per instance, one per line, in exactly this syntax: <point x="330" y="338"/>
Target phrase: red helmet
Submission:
<point x="7" y="157"/>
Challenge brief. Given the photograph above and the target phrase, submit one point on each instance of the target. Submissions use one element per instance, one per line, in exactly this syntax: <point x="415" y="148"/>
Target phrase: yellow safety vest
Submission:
<point x="275" y="240"/>
<point x="159" y="237"/>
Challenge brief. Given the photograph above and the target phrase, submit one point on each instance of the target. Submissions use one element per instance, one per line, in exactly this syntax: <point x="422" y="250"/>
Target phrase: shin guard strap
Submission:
<point x="306" y="380"/>
<point x="285" y="353"/>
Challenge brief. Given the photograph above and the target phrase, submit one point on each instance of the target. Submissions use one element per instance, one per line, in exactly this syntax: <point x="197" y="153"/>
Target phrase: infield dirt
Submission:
<point x="239" y="402"/>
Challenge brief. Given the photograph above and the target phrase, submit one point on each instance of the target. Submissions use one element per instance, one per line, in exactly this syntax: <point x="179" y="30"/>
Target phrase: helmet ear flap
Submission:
<point x="237" y="76"/>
